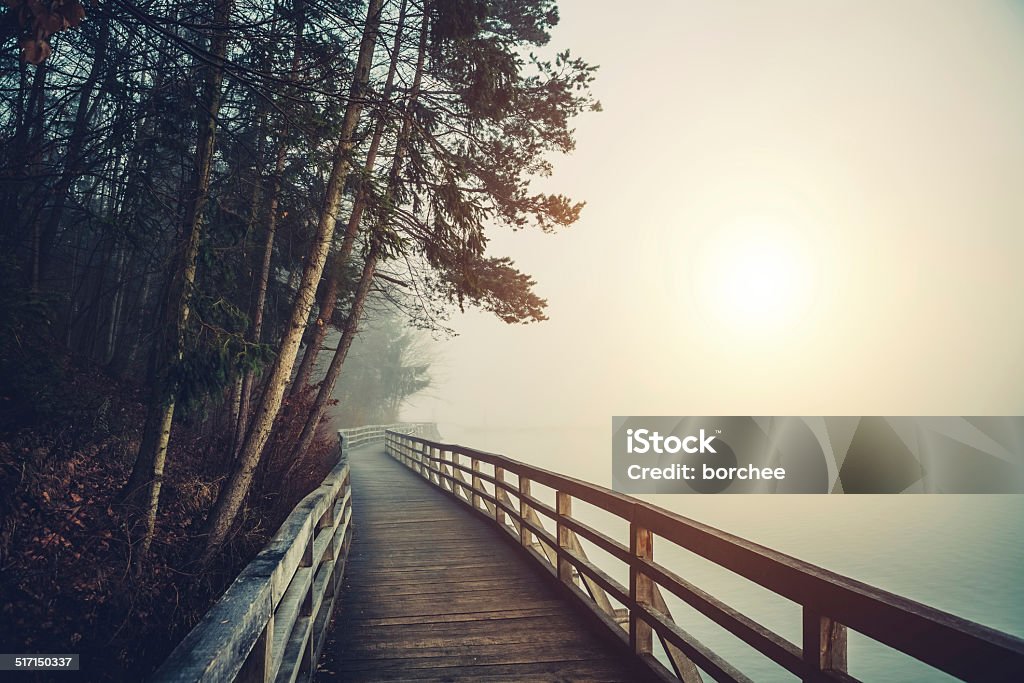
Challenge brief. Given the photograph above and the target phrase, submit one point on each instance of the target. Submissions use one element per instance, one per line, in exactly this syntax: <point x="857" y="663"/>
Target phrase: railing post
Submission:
<point x="563" y="509"/>
<point x="477" y="484"/>
<point x="435" y="467"/>
<point x="441" y="481"/>
<point x="327" y="520"/>
<point x="346" y="513"/>
<point x="453" y="482"/>
<point x="499" y="490"/>
<point x="824" y="644"/>
<point x="257" y="666"/>
<point x="450" y="457"/>
<point x="458" y="483"/>
<point x="524" y="511"/>
<point x="305" y="662"/>
<point x="641" y="589"/>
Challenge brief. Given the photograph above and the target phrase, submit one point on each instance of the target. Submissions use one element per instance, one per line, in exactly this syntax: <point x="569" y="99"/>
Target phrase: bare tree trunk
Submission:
<point x="255" y="330"/>
<point x="161" y="427"/>
<point x="236" y="407"/>
<point x="10" y="191"/>
<point x="348" y="333"/>
<point x="73" y="161"/>
<point x="369" y="268"/>
<point x="149" y="464"/>
<point x="259" y="303"/>
<point x="127" y="346"/>
<point x="117" y="301"/>
<point x="92" y="338"/>
<point x="32" y="143"/>
<point x="72" y="313"/>
<point x="317" y="332"/>
<point x="237" y="420"/>
<point x="233" y="494"/>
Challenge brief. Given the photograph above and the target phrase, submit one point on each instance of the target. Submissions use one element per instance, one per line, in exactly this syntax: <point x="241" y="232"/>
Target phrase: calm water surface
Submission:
<point x="959" y="553"/>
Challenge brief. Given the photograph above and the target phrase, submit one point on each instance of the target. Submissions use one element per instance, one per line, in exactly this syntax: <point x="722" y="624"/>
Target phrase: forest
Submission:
<point x="203" y="206"/>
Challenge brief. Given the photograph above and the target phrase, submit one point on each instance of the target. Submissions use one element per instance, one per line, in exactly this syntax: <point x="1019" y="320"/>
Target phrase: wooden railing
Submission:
<point x="500" y="489"/>
<point x="271" y="623"/>
<point x="355" y="437"/>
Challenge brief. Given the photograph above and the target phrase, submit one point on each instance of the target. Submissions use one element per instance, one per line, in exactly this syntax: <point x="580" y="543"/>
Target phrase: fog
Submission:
<point x="792" y="208"/>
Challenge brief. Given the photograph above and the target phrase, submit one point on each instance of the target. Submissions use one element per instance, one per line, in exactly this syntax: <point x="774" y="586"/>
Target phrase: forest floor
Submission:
<point x="67" y="584"/>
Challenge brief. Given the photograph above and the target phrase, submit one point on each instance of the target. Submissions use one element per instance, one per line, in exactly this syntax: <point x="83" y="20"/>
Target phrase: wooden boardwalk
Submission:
<point x="434" y="592"/>
<point x="457" y="571"/>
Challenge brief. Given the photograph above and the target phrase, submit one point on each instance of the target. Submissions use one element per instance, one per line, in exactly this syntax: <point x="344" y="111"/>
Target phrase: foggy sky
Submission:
<point x="879" y="145"/>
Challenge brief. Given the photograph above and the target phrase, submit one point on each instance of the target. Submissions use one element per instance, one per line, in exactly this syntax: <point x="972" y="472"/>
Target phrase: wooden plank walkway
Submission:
<point x="432" y="592"/>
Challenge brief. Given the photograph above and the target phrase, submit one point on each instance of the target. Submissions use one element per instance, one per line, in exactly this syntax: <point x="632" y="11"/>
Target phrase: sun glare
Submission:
<point x="755" y="277"/>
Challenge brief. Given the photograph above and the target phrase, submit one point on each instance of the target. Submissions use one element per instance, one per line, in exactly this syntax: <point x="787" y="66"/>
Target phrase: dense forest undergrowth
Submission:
<point x="66" y="571"/>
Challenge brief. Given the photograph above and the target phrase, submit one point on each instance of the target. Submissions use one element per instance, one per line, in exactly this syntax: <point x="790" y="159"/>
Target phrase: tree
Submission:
<point x="376" y="247"/>
<point x="256" y="311"/>
<point x="318" y="331"/>
<point x="170" y="348"/>
<point x="386" y="365"/>
<point x="232" y="495"/>
<point x="171" y="175"/>
<point x="481" y="102"/>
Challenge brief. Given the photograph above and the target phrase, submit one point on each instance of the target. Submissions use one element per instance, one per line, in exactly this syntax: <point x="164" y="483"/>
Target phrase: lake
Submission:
<point x="960" y="553"/>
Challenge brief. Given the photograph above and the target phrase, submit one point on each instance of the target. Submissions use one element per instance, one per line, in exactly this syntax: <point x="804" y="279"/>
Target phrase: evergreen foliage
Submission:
<point x="154" y="154"/>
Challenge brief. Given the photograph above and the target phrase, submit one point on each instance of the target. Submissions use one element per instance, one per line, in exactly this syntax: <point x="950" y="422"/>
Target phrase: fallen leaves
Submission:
<point x="64" y="550"/>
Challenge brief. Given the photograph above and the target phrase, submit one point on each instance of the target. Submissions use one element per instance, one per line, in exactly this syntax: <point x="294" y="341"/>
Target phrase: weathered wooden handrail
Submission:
<point x="271" y="623"/>
<point x="831" y="603"/>
<point x="355" y="437"/>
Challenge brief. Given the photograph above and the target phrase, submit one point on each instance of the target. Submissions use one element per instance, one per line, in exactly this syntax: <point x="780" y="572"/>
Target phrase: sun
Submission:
<point x="755" y="276"/>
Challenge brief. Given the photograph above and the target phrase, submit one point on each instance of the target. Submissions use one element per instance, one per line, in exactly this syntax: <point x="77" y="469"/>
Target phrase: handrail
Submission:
<point x="271" y="622"/>
<point x="355" y="437"/>
<point x="831" y="603"/>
